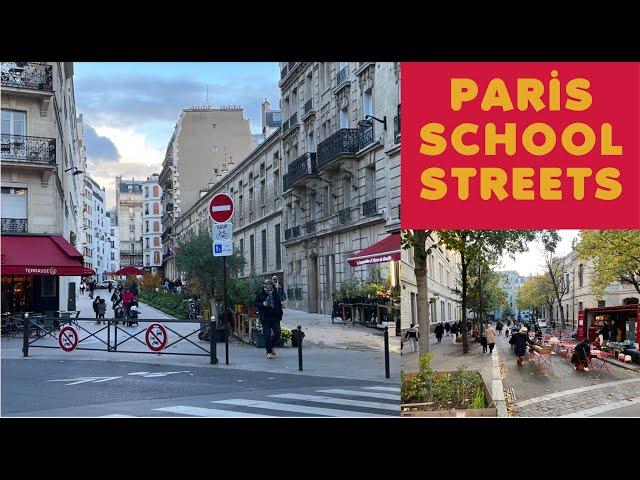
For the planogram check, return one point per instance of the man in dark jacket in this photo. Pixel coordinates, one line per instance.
(519, 342)
(439, 330)
(269, 305)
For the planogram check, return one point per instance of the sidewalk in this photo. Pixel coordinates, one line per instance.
(448, 356)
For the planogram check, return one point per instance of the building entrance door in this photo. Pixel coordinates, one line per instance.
(312, 281)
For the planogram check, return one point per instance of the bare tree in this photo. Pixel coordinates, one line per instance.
(557, 270)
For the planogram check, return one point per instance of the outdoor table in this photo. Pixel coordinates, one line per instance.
(243, 325)
(601, 356)
(542, 357)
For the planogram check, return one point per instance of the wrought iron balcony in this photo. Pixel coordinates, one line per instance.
(310, 226)
(302, 166)
(366, 136)
(166, 255)
(345, 142)
(34, 76)
(289, 124)
(168, 231)
(292, 232)
(20, 148)
(370, 208)
(342, 76)
(16, 225)
(308, 106)
(396, 127)
(344, 216)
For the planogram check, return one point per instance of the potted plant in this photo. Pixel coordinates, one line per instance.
(285, 336)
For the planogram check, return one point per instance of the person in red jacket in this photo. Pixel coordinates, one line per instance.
(127, 300)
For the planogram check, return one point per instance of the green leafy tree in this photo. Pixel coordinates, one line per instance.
(421, 243)
(196, 261)
(536, 292)
(556, 269)
(615, 255)
(485, 289)
(477, 244)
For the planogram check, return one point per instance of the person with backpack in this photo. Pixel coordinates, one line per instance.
(269, 305)
(102, 309)
(95, 304)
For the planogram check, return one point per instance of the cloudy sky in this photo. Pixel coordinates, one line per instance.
(130, 109)
(531, 262)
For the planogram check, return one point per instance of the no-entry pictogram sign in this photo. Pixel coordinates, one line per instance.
(68, 339)
(221, 208)
(156, 337)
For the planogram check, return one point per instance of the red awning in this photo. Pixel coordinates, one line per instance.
(385, 250)
(40, 255)
(129, 271)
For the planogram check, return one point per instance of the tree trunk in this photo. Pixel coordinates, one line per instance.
(420, 270)
(465, 341)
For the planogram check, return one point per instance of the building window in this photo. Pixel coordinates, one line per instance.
(252, 256)
(156, 257)
(146, 260)
(48, 286)
(580, 274)
(156, 241)
(148, 242)
(242, 246)
(14, 203)
(156, 191)
(601, 303)
(278, 248)
(156, 226)
(264, 250)
(146, 192)
(132, 249)
(367, 103)
(156, 208)
(146, 225)
(14, 122)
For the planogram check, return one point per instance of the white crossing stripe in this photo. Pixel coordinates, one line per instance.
(386, 389)
(286, 407)
(357, 393)
(338, 401)
(207, 412)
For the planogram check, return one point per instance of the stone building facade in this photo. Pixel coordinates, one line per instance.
(205, 143)
(443, 275)
(152, 224)
(96, 243)
(342, 181)
(42, 184)
(255, 186)
(129, 203)
(114, 236)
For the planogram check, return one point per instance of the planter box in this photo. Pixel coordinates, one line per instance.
(252, 311)
(422, 408)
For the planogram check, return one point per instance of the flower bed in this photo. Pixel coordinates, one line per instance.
(459, 393)
(170, 303)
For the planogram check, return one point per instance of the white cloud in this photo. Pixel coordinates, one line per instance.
(532, 262)
(133, 147)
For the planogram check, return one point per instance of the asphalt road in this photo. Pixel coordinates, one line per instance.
(96, 388)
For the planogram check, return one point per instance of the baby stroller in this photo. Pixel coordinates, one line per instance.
(118, 312)
(134, 313)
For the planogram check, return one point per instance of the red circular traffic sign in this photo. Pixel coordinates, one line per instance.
(68, 339)
(156, 337)
(221, 208)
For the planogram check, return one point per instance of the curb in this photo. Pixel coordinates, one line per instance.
(497, 388)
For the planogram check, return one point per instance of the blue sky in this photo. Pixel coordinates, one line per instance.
(130, 108)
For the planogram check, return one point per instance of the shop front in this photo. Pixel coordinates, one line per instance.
(621, 320)
(31, 269)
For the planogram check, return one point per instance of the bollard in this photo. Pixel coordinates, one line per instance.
(115, 338)
(386, 352)
(300, 348)
(25, 336)
(213, 352)
(108, 335)
(226, 342)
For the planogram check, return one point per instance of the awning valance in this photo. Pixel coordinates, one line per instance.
(41, 255)
(385, 250)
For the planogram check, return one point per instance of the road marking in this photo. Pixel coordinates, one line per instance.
(287, 407)
(77, 381)
(156, 374)
(590, 412)
(386, 389)
(356, 393)
(338, 401)
(565, 393)
(117, 415)
(207, 412)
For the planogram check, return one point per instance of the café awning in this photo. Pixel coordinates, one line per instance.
(128, 271)
(41, 255)
(385, 250)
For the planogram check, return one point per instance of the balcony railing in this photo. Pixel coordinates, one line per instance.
(166, 255)
(308, 106)
(396, 127)
(34, 76)
(342, 76)
(344, 216)
(292, 232)
(370, 208)
(366, 136)
(17, 225)
(21, 148)
(289, 124)
(287, 68)
(302, 166)
(310, 226)
(345, 141)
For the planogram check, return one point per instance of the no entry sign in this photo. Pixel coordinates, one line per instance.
(221, 208)
(156, 337)
(68, 339)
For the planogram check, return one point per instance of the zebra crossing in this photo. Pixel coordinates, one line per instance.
(374, 401)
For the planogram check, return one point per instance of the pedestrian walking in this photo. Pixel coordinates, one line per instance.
(92, 286)
(483, 341)
(127, 300)
(491, 337)
(447, 328)
(102, 309)
(81, 288)
(269, 305)
(109, 286)
(95, 307)
(454, 332)
(519, 341)
(439, 330)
